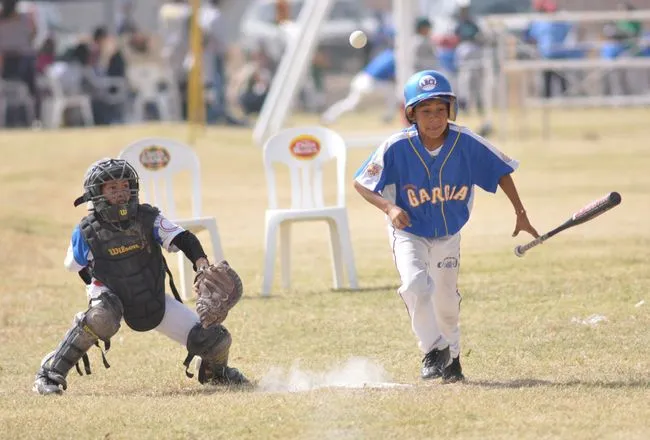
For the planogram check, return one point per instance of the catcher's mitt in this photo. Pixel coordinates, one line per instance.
(218, 288)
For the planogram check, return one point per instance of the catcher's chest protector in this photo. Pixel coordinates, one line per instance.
(131, 265)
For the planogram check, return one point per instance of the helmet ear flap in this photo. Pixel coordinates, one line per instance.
(409, 113)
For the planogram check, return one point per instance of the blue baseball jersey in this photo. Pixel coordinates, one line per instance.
(436, 191)
(382, 66)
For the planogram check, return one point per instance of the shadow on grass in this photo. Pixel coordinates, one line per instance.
(362, 290)
(369, 289)
(533, 383)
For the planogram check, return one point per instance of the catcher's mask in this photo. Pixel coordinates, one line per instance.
(104, 171)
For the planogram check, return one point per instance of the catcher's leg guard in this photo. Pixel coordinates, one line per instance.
(100, 321)
(212, 345)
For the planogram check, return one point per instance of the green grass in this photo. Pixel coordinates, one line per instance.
(534, 370)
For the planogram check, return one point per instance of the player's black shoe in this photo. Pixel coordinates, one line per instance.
(221, 375)
(434, 363)
(453, 372)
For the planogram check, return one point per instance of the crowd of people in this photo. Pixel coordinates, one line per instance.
(98, 66)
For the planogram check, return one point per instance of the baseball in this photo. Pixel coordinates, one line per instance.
(358, 39)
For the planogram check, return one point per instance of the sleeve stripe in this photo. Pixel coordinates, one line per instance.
(512, 163)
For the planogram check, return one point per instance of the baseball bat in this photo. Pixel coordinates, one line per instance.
(589, 212)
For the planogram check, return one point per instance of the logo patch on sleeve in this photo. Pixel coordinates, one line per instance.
(373, 170)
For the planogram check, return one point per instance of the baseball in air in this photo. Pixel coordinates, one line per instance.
(358, 39)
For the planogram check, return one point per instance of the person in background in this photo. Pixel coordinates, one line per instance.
(549, 38)
(469, 61)
(17, 55)
(425, 52)
(215, 47)
(126, 23)
(377, 76)
(253, 81)
(46, 55)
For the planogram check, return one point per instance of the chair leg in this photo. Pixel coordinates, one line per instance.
(347, 251)
(87, 114)
(186, 276)
(285, 253)
(270, 243)
(335, 247)
(57, 114)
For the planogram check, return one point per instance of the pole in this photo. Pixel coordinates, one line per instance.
(195, 91)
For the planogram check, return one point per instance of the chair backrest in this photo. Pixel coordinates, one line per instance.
(157, 161)
(304, 150)
(151, 80)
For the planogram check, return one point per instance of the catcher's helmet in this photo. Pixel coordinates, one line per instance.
(430, 84)
(104, 171)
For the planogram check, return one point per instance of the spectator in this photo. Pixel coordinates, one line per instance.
(425, 53)
(254, 81)
(46, 55)
(215, 50)
(126, 23)
(469, 60)
(623, 35)
(549, 37)
(76, 76)
(98, 48)
(17, 56)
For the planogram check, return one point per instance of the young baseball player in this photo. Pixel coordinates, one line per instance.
(117, 251)
(378, 75)
(423, 179)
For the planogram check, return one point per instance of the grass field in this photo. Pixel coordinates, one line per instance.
(536, 367)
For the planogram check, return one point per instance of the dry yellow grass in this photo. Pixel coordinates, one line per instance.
(533, 371)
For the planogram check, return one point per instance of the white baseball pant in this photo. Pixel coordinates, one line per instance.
(428, 268)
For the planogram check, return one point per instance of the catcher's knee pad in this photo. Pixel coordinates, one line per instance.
(100, 321)
(211, 344)
(104, 316)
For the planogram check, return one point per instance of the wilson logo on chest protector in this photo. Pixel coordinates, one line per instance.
(119, 250)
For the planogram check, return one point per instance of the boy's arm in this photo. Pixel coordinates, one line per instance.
(187, 242)
(398, 217)
(523, 224)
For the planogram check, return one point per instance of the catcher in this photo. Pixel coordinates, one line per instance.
(116, 249)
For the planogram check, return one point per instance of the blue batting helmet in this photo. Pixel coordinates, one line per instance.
(430, 84)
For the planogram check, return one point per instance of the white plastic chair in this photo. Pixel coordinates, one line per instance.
(58, 100)
(15, 94)
(304, 150)
(157, 161)
(154, 84)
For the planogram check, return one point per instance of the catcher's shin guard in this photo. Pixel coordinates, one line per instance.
(212, 345)
(100, 321)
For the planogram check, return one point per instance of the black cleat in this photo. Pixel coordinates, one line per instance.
(434, 363)
(454, 372)
(221, 375)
